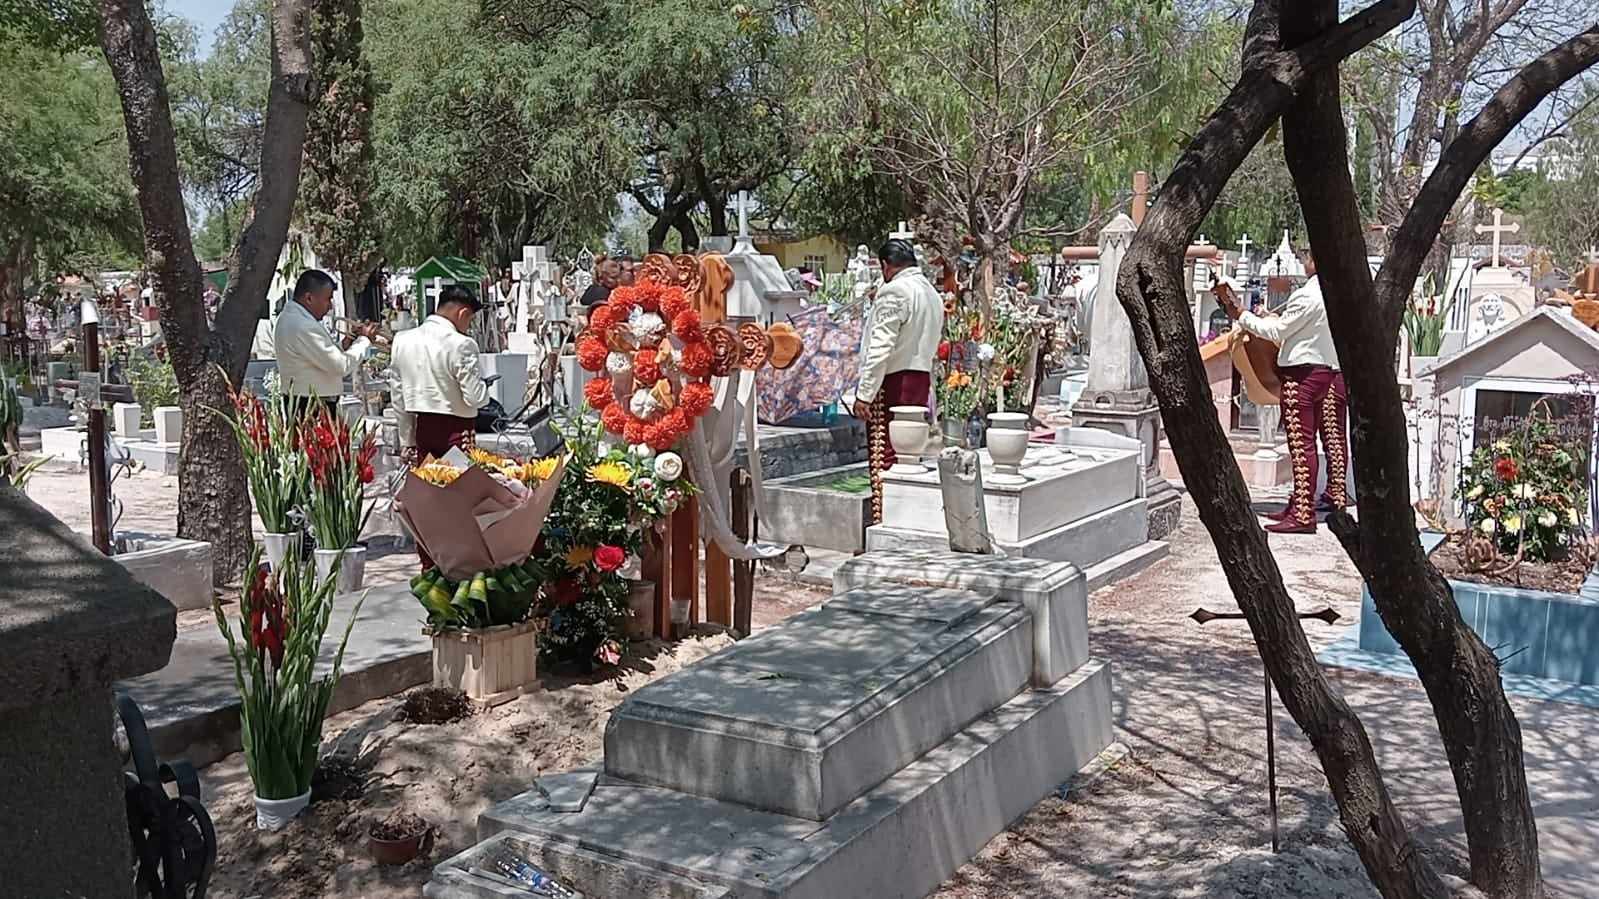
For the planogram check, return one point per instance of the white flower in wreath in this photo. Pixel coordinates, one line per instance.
(1548, 518)
(985, 353)
(642, 450)
(1474, 492)
(644, 405)
(646, 328)
(1488, 526)
(669, 466)
(618, 363)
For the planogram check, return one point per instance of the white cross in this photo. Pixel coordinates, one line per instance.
(904, 233)
(1496, 229)
(1243, 247)
(743, 204)
(1203, 242)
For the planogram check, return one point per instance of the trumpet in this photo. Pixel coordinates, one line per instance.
(351, 328)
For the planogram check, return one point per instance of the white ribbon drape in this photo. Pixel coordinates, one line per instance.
(710, 448)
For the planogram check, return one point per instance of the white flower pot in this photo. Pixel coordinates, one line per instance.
(351, 562)
(1007, 445)
(907, 433)
(277, 547)
(274, 814)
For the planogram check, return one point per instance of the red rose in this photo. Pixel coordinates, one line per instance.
(609, 558)
(1506, 468)
(598, 393)
(943, 349)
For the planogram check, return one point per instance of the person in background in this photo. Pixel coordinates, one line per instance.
(1314, 400)
(311, 365)
(440, 384)
(607, 276)
(907, 322)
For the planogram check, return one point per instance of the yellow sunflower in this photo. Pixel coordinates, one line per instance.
(485, 458)
(617, 474)
(579, 556)
(437, 473)
(540, 469)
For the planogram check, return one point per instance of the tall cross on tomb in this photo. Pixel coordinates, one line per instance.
(743, 205)
(904, 233)
(1497, 229)
(1244, 244)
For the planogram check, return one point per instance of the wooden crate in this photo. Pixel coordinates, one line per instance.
(491, 664)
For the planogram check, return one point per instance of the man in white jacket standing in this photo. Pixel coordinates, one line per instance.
(1313, 397)
(311, 366)
(907, 322)
(440, 384)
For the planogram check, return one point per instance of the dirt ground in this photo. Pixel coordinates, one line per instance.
(1183, 815)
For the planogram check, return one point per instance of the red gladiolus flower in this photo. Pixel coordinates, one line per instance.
(599, 394)
(267, 628)
(977, 330)
(1506, 468)
(367, 474)
(609, 558)
(943, 350)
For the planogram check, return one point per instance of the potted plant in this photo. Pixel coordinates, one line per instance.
(339, 458)
(1424, 321)
(480, 593)
(276, 470)
(397, 839)
(282, 617)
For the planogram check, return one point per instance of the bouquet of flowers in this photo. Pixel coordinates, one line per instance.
(1013, 333)
(339, 458)
(269, 439)
(658, 487)
(1526, 491)
(274, 644)
(480, 588)
(958, 372)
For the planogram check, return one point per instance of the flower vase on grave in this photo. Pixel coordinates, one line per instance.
(277, 547)
(1007, 445)
(907, 433)
(349, 563)
(955, 432)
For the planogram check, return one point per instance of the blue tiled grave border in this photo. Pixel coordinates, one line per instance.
(1539, 635)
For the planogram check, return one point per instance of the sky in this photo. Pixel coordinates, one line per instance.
(205, 14)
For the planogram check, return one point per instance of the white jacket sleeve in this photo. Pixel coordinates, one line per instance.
(320, 351)
(474, 392)
(1278, 328)
(889, 312)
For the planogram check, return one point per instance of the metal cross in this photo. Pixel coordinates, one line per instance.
(1329, 615)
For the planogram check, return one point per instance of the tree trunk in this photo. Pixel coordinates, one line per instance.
(1152, 288)
(213, 498)
(14, 266)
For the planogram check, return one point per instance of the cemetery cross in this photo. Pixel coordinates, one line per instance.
(1498, 229)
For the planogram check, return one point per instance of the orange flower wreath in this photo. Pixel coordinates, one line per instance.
(650, 333)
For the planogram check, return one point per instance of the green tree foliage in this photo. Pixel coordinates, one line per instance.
(476, 145)
(337, 183)
(1559, 201)
(66, 203)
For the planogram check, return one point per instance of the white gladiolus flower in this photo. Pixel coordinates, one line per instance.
(1488, 526)
(669, 466)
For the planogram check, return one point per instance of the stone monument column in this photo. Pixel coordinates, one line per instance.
(1116, 396)
(72, 621)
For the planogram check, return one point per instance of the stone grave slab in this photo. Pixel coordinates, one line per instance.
(802, 719)
(902, 837)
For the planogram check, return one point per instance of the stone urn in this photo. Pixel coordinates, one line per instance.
(907, 433)
(1007, 445)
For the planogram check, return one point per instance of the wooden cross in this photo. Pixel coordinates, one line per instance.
(1497, 229)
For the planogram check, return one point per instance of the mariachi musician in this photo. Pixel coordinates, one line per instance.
(1311, 388)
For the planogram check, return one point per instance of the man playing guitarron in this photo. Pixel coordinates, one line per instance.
(1313, 397)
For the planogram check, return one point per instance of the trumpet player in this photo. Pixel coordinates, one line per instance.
(312, 366)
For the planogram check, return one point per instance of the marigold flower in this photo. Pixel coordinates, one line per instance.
(615, 418)
(591, 353)
(599, 393)
(695, 359)
(695, 398)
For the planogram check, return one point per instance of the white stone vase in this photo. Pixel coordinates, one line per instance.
(1007, 445)
(351, 562)
(275, 814)
(277, 547)
(907, 433)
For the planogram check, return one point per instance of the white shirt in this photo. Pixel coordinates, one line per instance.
(261, 347)
(310, 363)
(438, 370)
(1299, 329)
(907, 321)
